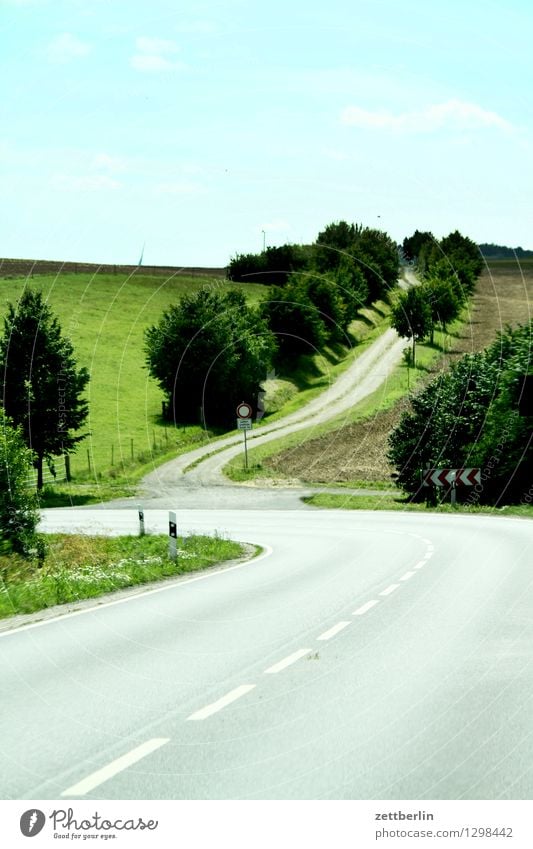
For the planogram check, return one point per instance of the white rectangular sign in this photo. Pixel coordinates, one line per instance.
(244, 424)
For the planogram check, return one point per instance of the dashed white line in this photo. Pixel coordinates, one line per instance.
(365, 607)
(327, 635)
(287, 661)
(390, 589)
(230, 697)
(407, 576)
(119, 765)
(420, 564)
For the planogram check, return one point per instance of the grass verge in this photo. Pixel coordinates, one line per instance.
(79, 567)
(400, 503)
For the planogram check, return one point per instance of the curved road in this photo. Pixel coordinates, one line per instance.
(366, 374)
(362, 656)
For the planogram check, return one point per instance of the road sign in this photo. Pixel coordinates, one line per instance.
(244, 411)
(451, 477)
(244, 424)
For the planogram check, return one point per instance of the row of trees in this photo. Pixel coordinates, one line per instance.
(449, 271)
(480, 414)
(360, 258)
(212, 350)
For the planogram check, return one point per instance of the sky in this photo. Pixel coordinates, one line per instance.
(200, 130)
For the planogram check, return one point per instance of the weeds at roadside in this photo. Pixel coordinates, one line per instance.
(78, 567)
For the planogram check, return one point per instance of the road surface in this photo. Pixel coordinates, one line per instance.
(362, 656)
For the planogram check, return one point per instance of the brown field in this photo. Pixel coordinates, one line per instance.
(357, 452)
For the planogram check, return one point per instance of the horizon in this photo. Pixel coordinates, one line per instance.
(203, 132)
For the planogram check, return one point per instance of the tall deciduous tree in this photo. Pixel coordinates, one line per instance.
(207, 353)
(42, 388)
(443, 304)
(411, 316)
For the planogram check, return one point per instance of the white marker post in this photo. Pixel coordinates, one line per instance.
(244, 423)
(141, 522)
(172, 535)
(454, 489)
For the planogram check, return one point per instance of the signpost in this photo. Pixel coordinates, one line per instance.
(244, 423)
(452, 478)
(172, 535)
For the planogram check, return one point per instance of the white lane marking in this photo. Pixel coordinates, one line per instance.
(390, 589)
(172, 585)
(327, 635)
(287, 661)
(419, 565)
(407, 576)
(119, 765)
(230, 697)
(365, 607)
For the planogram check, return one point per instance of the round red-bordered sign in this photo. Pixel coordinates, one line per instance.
(244, 411)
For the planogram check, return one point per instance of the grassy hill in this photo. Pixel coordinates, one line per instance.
(105, 316)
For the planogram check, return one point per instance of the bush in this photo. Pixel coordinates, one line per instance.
(471, 417)
(18, 503)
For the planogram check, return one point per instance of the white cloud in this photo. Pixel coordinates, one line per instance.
(148, 62)
(153, 55)
(155, 46)
(67, 47)
(111, 164)
(179, 188)
(201, 27)
(93, 183)
(453, 114)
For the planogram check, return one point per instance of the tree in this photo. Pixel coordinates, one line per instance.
(42, 388)
(412, 245)
(272, 266)
(18, 504)
(333, 243)
(294, 319)
(411, 315)
(472, 417)
(443, 304)
(379, 260)
(446, 418)
(352, 286)
(207, 353)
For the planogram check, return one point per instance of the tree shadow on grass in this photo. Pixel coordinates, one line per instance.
(60, 498)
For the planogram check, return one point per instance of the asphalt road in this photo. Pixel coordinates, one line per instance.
(363, 656)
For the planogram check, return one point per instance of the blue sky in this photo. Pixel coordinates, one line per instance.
(193, 127)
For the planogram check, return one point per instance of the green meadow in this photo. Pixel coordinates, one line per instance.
(105, 317)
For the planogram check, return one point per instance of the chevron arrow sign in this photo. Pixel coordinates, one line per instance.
(448, 477)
